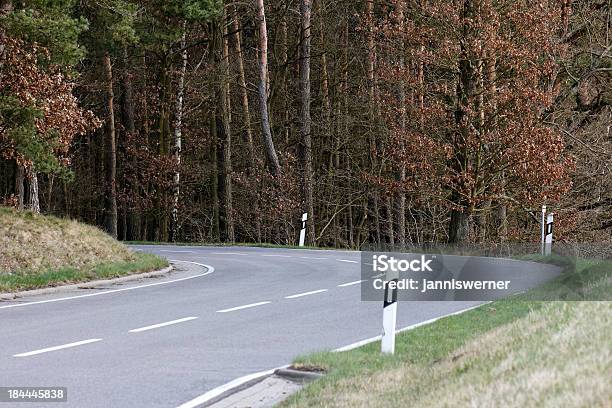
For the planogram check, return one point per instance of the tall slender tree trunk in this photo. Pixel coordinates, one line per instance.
(110, 218)
(466, 93)
(214, 144)
(132, 226)
(372, 111)
(178, 137)
(248, 133)
(144, 230)
(501, 213)
(285, 88)
(227, 145)
(306, 142)
(271, 157)
(164, 146)
(19, 190)
(327, 109)
(345, 129)
(401, 199)
(34, 204)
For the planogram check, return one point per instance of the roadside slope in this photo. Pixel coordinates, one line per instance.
(38, 251)
(510, 353)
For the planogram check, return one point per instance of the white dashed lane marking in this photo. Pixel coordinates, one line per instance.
(243, 307)
(55, 348)
(305, 294)
(156, 326)
(351, 283)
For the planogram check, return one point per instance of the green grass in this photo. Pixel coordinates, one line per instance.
(513, 352)
(19, 281)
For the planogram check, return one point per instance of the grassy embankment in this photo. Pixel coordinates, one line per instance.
(511, 353)
(39, 251)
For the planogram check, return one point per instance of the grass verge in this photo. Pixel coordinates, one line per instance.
(19, 281)
(510, 353)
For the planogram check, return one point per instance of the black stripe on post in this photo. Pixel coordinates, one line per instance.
(390, 298)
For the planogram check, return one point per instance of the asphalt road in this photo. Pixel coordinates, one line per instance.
(164, 341)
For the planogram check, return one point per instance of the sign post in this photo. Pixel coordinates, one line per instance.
(548, 239)
(543, 230)
(303, 230)
(387, 344)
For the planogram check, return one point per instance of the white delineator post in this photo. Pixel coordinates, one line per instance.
(387, 344)
(303, 230)
(543, 230)
(549, 234)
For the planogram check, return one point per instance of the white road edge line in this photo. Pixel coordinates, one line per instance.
(407, 328)
(351, 283)
(311, 257)
(215, 392)
(63, 346)
(156, 326)
(210, 270)
(278, 256)
(232, 309)
(305, 294)
(228, 253)
(346, 260)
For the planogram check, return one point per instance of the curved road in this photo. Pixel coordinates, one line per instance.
(162, 342)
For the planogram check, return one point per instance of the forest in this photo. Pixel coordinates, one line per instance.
(388, 121)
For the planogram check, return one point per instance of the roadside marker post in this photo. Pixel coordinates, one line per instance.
(548, 239)
(387, 344)
(303, 230)
(543, 230)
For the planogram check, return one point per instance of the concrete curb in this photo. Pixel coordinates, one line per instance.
(297, 375)
(286, 373)
(83, 285)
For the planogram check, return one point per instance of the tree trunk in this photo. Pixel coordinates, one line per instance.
(372, 111)
(161, 233)
(248, 134)
(401, 199)
(19, 190)
(34, 205)
(306, 143)
(110, 219)
(214, 177)
(178, 133)
(466, 93)
(324, 76)
(144, 229)
(271, 157)
(285, 90)
(227, 145)
(128, 118)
